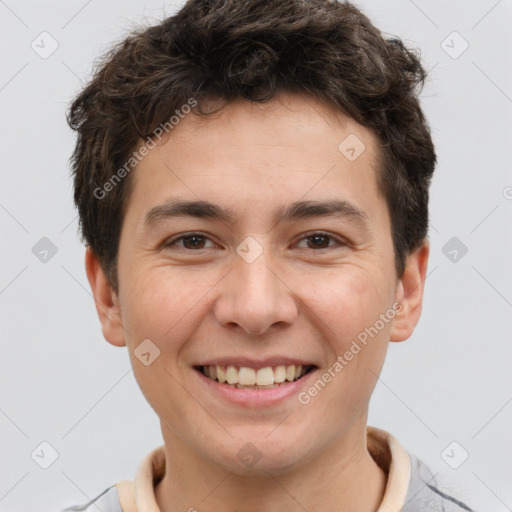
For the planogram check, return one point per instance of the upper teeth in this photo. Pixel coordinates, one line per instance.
(249, 376)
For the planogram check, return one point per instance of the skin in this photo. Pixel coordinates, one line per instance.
(295, 299)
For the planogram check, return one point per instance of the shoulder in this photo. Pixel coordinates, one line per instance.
(106, 501)
(426, 492)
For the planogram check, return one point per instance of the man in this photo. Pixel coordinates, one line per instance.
(252, 182)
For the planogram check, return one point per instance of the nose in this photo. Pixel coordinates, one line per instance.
(256, 296)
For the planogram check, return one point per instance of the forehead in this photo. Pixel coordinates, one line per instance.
(302, 116)
(293, 145)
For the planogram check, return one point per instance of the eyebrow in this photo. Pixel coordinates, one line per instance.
(294, 211)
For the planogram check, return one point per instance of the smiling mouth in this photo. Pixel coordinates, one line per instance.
(251, 378)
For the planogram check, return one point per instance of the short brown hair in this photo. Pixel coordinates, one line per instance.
(252, 49)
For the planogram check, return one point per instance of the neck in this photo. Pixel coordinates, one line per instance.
(340, 478)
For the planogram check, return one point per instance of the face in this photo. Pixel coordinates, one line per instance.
(290, 263)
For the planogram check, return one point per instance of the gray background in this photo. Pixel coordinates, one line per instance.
(62, 383)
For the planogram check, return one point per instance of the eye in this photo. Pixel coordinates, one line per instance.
(190, 241)
(319, 239)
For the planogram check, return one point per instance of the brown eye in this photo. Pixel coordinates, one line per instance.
(320, 241)
(191, 241)
(194, 242)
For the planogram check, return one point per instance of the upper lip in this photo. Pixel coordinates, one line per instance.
(255, 363)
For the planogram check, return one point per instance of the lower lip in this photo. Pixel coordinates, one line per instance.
(256, 397)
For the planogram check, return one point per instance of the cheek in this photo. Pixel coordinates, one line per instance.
(162, 304)
(346, 300)
(163, 310)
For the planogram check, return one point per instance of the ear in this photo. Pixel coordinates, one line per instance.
(107, 303)
(410, 293)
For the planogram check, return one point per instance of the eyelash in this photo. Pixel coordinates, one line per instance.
(339, 242)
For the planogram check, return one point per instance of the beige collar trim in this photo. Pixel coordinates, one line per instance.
(139, 495)
(395, 461)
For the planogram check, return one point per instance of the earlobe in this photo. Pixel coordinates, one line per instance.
(107, 305)
(410, 294)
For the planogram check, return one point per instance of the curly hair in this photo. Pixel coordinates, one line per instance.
(251, 49)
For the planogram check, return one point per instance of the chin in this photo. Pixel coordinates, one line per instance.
(258, 456)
